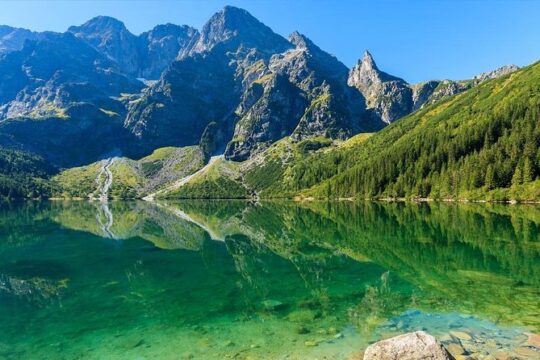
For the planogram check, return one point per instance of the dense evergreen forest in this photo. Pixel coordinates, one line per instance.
(481, 144)
(23, 175)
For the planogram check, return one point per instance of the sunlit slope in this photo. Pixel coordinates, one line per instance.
(481, 144)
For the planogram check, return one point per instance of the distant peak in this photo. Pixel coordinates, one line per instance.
(503, 70)
(232, 23)
(367, 60)
(103, 22)
(299, 40)
(233, 15)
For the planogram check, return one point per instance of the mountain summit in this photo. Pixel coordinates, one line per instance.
(234, 88)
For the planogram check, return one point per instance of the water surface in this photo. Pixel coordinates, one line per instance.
(224, 279)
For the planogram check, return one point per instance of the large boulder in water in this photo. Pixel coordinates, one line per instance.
(412, 346)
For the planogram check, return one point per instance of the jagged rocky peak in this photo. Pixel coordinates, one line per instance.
(503, 70)
(160, 46)
(237, 24)
(101, 31)
(13, 39)
(389, 97)
(111, 37)
(366, 73)
(300, 40)
(367, 61)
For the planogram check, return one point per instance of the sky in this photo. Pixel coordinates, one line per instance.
(417, 40)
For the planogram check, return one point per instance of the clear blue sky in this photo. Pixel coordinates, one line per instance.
(417, 40)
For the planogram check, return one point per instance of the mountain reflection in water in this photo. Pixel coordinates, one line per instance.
(210, 279)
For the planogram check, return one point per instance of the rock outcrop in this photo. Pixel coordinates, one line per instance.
(412, 346)
(391, 98)
(388, 96)
(144, 56)
(13, 39)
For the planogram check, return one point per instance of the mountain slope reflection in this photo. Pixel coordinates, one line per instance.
(214, 279)
(478, 259)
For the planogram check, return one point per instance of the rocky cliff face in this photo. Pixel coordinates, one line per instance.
(159, 47)
(146, 55)
(207, 83)
(391, 98)
(58, 98)
(388, 96)
(255, 85)
(235, 87)
(302, 92)
(13, 39)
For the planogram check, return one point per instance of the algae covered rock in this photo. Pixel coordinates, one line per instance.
(417, 345)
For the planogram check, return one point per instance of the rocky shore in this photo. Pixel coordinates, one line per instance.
(458, 345)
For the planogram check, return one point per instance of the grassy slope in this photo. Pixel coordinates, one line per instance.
(271, 174)
(132, 178)
(481, 144)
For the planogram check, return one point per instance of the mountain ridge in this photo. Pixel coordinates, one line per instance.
(234, 88)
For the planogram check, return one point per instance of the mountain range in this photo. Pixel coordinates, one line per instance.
(234, 88)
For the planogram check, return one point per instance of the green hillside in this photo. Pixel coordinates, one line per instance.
(132, 178)
(23, 175)
(481, 144)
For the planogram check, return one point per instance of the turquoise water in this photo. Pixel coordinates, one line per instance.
(280, 280)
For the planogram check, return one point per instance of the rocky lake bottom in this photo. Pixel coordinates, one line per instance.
(271, 280)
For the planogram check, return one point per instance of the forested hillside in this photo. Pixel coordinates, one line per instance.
(23, 175)
(482, 144)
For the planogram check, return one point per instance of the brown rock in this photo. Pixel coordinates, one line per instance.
(533, 340)
(412, 346)
(461, 335)
(455, 349)
(526, 351)
(502, 355)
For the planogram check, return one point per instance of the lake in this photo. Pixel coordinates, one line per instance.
(276, 280)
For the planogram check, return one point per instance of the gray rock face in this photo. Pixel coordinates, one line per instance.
(13, 39)
(110, 37)
(304, 94)
(146, 55)
(412, 346)
(159, 47)
(391, 98)
(502, 71)
(58, 98)
(236, 27)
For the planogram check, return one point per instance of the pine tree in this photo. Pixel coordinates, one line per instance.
(490, 178)
(517, 178)
(528, 171)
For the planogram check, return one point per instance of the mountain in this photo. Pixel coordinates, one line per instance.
(146, 55)
(492, 154)
(391, 98)
(12, 39)
(253, 86)
(59, 99)
(273, 107)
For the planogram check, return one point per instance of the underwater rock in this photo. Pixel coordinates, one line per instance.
(461, 335)
(411, 346)
(455, 349)
(272, 305)
(533, 340)
(526, 351)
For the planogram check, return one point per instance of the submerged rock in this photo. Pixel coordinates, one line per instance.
(272, 305)
(412, 346)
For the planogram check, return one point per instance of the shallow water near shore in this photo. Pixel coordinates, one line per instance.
(277, 280)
